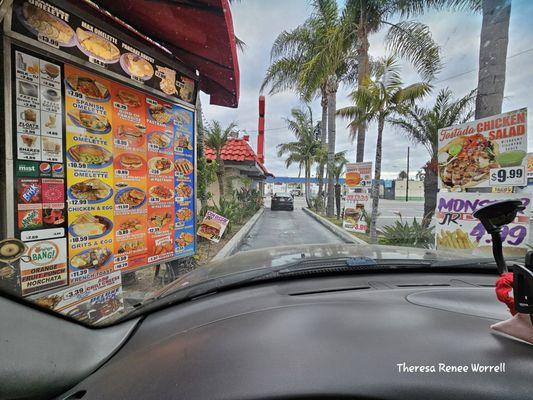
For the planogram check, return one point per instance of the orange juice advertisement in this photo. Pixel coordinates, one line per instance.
(89, 144)
(160, 181)
(130, 169)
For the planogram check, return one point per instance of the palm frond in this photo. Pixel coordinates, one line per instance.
(412, 41)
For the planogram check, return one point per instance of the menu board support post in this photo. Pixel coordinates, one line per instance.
(9, 194)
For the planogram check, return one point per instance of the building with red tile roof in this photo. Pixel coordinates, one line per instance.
(240, 160)
(237, 153)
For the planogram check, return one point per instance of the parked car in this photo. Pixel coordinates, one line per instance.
(282, 201)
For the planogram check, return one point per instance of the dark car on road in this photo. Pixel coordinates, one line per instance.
(282, 201)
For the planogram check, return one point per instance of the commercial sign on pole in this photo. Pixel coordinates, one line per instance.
(457, 229)
(359, 175)
(354, 211)
(488, 152)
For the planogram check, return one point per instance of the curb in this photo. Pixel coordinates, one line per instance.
(238, 238)
(341, 233)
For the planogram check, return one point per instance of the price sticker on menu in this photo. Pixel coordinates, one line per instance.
(47, 40)
(509, 176)
(122, 172)
(97, 61)
(120, 106)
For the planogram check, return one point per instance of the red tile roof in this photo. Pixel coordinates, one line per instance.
(236, 150)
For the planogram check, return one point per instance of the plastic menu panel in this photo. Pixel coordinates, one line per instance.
(130, 177)
(184, 232)
(130, 169)
(160, 128)
(89, 174)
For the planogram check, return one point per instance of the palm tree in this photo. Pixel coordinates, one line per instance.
(337, 171)
(407, 39)
(216, 138)
(492, 57)
(378, 100)
(422, 126)
(304, 149)
(330, 63)
(313, 59)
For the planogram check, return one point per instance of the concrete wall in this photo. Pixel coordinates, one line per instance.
(416, 190)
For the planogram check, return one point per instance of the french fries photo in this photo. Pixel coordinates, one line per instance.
(457, 239)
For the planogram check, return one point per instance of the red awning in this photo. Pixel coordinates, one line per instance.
(198, 32)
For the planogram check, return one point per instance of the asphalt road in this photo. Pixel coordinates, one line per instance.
(281, 228)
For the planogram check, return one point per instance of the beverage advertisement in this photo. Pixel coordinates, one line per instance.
(160, 183)
(354, 210)
(90, 179)
(43, 266)
(457, 229)
(90, 302)
(484, 153)
(359, 174)
(39, 184)
(213, 226)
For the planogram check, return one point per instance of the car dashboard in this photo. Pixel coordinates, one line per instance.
(351, 336)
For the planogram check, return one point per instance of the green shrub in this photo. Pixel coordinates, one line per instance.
(410, 235)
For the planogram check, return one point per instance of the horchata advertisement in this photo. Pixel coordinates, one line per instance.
(213, 226)
(457, 229)
(354, 210)
(359, 175)
(487, 152)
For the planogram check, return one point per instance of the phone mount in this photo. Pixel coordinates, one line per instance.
(520, 325)
(523, 285)
(493, 217)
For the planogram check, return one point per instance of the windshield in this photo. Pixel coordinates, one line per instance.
(136, 160)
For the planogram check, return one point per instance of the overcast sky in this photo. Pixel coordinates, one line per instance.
(258, 22)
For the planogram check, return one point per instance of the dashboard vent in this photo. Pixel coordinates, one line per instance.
(329, 290)
(413, 285)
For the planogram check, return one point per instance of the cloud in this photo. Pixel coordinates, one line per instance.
(259, 22)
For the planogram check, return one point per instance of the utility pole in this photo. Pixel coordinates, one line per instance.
(407, 183)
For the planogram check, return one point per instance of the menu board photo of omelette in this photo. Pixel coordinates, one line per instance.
(126, 177)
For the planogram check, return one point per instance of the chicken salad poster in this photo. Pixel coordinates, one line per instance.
(488, 152)
(458, 230)
(130, 177)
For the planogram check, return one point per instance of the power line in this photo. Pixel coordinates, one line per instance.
(475, 69)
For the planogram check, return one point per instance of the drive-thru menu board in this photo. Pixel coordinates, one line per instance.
(129, 177)
(104, 175)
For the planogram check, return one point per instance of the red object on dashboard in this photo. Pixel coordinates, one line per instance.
(504, 285)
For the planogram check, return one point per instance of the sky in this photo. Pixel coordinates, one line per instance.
(258, 23)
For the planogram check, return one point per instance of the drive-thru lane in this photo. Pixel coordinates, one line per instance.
(283, 228)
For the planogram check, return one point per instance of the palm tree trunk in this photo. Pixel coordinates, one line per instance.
(307, 184)
(220, 176)
(323, 137)
(492, 57)
(332, 108)
(363, 74)
(375, 183)
(338, 199)
(430, 195)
